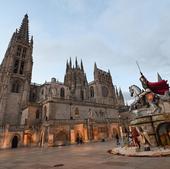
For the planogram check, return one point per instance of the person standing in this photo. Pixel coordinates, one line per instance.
(117, 139)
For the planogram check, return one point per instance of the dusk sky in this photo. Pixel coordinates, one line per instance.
(113, 33)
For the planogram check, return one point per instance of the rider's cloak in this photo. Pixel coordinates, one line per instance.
(157, 87)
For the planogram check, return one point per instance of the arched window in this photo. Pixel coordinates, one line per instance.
(24, 52)
(15, 87)
(16, 66)
(33, 96)
(19, 51)
(21, 67)
(62, 92)
(91, 91)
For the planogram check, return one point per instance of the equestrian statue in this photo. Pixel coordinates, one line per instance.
(152, 95)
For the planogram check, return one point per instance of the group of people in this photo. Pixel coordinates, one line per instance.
(124, 140)
(79, 139)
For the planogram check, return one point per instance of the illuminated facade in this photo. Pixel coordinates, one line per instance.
(53, 113)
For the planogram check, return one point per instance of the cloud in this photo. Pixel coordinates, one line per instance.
(121, 34)
(114, 33)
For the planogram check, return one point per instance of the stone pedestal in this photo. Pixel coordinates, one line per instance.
(151, 123)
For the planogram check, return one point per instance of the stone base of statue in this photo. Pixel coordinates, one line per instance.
(157, 126)
(135, 152)
(154, 135)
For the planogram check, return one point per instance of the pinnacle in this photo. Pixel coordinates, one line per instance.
(23, 33)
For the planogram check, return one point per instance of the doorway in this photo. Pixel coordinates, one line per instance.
(163, 133)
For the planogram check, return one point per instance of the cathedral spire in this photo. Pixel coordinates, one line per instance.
(116, 92)
(82, 68)
(70, 64)
(23, 33)
(95, 67)
(67, 66)
(31, 41)
(76, 63)
(120, 92)
(109, 71)
(121, 98)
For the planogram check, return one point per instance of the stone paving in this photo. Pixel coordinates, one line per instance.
(86, 156)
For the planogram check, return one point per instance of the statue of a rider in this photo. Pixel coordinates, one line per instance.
(160, 87)
(151, 92)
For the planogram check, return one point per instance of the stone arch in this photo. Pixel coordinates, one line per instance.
(15, 141)
(28, 138)
(61, 138)
(163, 133)
(78, 136)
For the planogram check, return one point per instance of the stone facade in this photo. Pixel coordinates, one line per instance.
(53, 113)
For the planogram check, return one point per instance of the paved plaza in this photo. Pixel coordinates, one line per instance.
(86, 156)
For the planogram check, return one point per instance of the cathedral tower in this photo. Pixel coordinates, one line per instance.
(75, 79)
(15, 75)
(103, 87)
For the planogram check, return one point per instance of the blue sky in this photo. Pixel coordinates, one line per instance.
(112, 33)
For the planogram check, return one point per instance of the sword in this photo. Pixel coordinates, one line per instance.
(139, 68)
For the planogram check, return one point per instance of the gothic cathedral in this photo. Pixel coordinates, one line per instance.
(53, 113)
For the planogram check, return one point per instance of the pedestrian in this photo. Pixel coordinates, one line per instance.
(81, 140)
(78, 138)
(117, 139)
